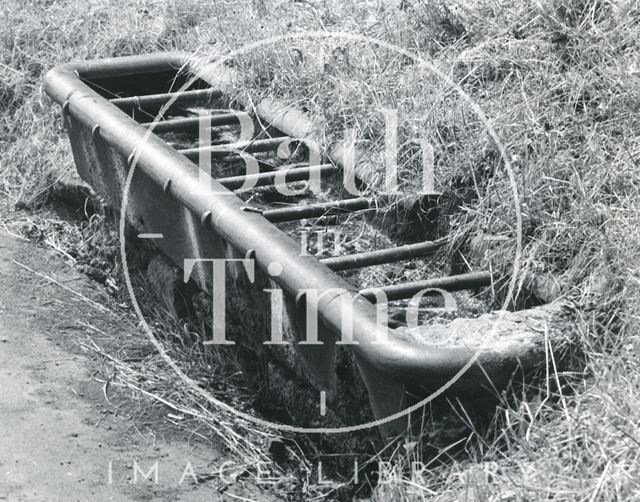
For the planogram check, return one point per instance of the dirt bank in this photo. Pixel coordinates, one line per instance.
(66, 435)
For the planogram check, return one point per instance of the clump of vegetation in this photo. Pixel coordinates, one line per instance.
(559, 83)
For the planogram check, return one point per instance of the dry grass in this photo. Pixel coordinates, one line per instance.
(559, 82)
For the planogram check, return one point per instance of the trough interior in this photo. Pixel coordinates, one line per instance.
(125, 86)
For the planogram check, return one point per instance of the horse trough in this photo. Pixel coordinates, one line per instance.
(213, 207)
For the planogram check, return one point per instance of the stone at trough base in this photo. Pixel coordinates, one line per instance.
(66, 186)
(166, 282)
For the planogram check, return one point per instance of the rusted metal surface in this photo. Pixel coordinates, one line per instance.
(253, 146)
(154, 102)
(381, 256)
(410, 289)
(279, 177)
(299, 212)
(167, 197)
(192, 124)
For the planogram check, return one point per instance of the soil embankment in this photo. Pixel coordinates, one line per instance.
(60, 437)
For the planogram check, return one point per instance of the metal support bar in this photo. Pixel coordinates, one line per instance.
(451, 283)
(269, 178)
(316, 210)
(153, 101)
(380, 256)
(192, 124)
(253, 146)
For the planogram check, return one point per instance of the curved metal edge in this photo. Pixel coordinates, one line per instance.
(398, 357)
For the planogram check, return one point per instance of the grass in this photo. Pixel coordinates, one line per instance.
(559, 82)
